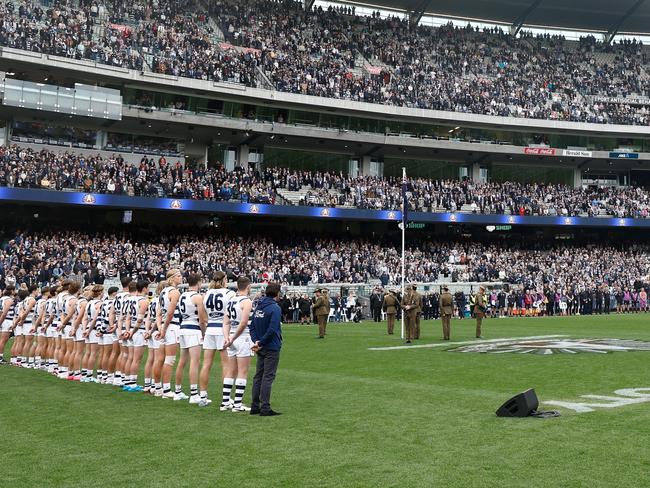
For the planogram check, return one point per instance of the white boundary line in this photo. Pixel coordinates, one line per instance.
(462, 343)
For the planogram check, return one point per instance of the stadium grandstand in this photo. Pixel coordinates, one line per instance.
(497, 150)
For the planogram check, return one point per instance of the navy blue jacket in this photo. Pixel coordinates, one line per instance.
(265, 326)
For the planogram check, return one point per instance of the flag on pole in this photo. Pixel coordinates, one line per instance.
(405, 203)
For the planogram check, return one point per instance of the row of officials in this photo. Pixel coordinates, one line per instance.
(412, 305)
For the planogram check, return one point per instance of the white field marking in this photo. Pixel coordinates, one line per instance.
(626, 396)
(463, 343)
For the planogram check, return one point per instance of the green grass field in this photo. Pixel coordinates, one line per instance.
(352, 418)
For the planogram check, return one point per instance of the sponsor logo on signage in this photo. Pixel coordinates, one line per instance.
(624, 155)
(176, 204)
(254, 209)
(555, 346)
(453, 217)
(392, 215)
(540, 151)
(577, 154)
(89, 199)
(325, 212)
(624, 100)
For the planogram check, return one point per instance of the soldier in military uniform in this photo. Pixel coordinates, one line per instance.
(390, 306)
(410, 304)
(446, 311)
(479, 310)
(321, 308)
(418, 315)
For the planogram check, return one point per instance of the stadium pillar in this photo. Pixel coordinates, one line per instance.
(475, 172)
(102, 139)
(577, 178)
(242, 156)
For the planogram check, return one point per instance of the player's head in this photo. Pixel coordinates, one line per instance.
(219, 280)
(97, 291)
(141, 285)
(126, 281)
(9, 291)
(133, 287)
(45, 291)
(174, 277)
(74, 287)
(32, 289)
(22, 294)
(112, 291)
(161, 286)
(273, 290)
(193, 280)
(66, 285)
(243, 285)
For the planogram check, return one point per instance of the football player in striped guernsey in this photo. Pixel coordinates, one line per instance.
(6, 318)
(108, 339)
(17, 328)
(65, 327)
(120, 351)
(168, 323)
(134, 334)
(215, 302)
(77, 333)
(39, 328)
(156, 352)
(194, 320)
(90, 335)
(27, 319)
(239, 344)
(50, 329)
(60, 349)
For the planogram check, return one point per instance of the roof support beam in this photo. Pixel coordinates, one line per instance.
(613, 30)
(519, 21)
(308, 4)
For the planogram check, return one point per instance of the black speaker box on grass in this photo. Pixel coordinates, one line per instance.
(522, 405)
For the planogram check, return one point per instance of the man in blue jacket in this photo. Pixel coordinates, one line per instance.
(266, 334)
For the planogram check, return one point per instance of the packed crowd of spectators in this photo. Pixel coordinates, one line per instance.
(335, 53)
(156, 177)
(38, 257)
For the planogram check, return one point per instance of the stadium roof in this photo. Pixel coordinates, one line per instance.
(629, 16)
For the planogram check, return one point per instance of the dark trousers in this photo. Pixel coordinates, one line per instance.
(376, 314)
(267, 365)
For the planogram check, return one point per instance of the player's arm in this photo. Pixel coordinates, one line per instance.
(112, 323)
(39, 319)
(203, 314)
(142, 310)
(174, 295)
(147, 323)
(159, 320)
(5, 310)
(226, 322)
(66, 318)
(90, 324)
(77, 322)
(246, 307)
(126, 319)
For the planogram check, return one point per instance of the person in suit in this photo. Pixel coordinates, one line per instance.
(321, 308)
(410, 304)
(479, 310)
(390, 306)
(375, 305)
(446, 311)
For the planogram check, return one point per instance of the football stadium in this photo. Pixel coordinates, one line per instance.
(386, 243)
